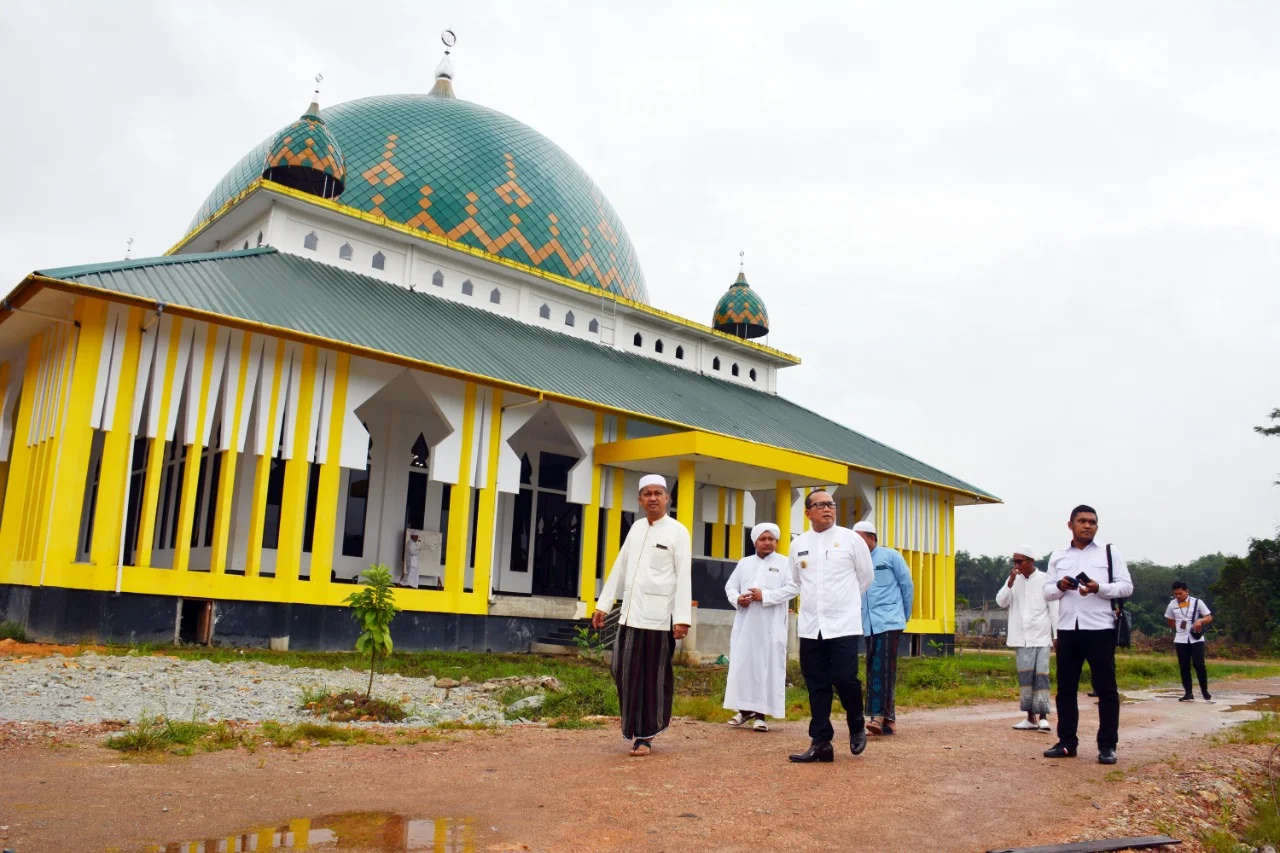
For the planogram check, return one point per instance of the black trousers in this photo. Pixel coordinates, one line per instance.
(1099, 649)
(1188, 654)
(828, 664)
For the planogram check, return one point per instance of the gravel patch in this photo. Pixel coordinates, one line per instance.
(92, 688)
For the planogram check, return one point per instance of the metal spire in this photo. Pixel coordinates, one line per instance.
(444, 71)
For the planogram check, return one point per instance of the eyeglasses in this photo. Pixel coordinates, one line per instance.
(822, 505)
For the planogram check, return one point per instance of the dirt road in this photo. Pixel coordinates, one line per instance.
(957, 779)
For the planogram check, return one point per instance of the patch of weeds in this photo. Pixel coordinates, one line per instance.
(157, 734)
(1265, 729)
(708, 709)
(12, 631)
(1222, 841)
(350, 706)
(566, 723)
(1114, 776)
(313, 694)
(281, 736)
(457, 726)
(585, 699)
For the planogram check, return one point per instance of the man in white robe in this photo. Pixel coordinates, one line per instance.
(757, 682)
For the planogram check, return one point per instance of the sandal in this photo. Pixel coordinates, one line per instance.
(760, 725)
(873, 726)
(736, 720)
(641, 748)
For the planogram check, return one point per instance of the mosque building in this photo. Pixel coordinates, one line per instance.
(404, 330)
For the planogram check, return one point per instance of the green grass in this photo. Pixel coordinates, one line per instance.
(1264, 730)
(12, 631)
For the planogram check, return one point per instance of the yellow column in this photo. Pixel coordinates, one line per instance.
(48, 460)
(805, 519)
(227, 472)
(590, 532)
(155, 451)
(199, 397)
(487, 510)
(326, 526)
(297, 471)
(117, 453)
(20, 458)
(262, 474)
(688, 497)
(73, 439)
(948, 593)
(782, 496)
(717, 529)
(4, 466)
(613, 518)
(455, 558)
(735, 529)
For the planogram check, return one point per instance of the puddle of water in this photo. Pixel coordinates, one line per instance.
(1267, 704)
(384, 832)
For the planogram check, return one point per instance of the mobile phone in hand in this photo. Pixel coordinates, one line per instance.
(1083, 579)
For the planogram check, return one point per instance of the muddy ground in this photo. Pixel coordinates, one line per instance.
(956, 779)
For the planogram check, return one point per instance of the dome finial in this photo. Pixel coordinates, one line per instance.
(444, 71)
(314, 108)
(742, 267)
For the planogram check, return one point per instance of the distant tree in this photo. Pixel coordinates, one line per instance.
(1248, 595)
(1271, 430)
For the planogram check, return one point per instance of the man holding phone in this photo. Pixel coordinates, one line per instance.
(1084, 578)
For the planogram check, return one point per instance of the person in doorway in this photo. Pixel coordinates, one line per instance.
(830, 567)
(757, 680)
(1187, 616)
(1085, 578)
(652, 575)
(886, 609)
(1033, 630)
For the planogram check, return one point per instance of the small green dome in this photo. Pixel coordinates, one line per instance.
(741, 311)
(305, 156)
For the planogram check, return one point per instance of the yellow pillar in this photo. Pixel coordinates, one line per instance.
(222, 510)
(191, 476)
(155, 450)
(455, 558)
(117, 453)
(613, 518)
(717, 529)
(782, 496)
(688, 497)
(297, 473)
(20, 458)
(487, 510)
(262, 474)
(590, 532)
(805, 518)
(326, 525)
(735, 529)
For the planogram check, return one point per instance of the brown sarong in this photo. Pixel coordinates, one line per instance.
(645, 679)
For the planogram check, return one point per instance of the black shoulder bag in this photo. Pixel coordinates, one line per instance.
(1124, 619)
(1195, 635)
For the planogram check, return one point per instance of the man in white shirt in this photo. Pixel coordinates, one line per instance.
(652, 573)
(830, 569)
(1185, 615)
(1085, 578)
(1033, 629)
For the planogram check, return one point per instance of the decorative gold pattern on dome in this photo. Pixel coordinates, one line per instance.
(306, 154)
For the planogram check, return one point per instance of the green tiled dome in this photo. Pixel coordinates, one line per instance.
(306, 156)
(741, 312)
(468, 173)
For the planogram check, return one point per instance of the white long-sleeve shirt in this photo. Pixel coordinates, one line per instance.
(653, 576)
(1087, 612)
(1032, 620)
(830, 571)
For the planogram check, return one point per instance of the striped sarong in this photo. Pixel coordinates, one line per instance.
(882, 675)
(645, 679)
(1033, 679)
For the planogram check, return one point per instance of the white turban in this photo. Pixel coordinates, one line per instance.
(1026, 551)
(653, 480)
(865, 527)
(764, 527)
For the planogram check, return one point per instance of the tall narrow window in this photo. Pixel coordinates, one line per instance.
(275, 498)
(345, 252)
(545, 311)
(715, 363)
(437, 278)
(246, 244)
(311, 241)
(313, 499)
(357, 507)
(379, 261)
(752, 374)
(495, 296)
(658, 347)
(259, 238)
(680, 353)
(734, 369)
(637, 340)
(468, 288)
(594, 326)
(137, 482)
(568, 318)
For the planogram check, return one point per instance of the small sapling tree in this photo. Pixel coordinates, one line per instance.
(373, 608)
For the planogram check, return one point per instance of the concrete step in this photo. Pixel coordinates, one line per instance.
(544, 648)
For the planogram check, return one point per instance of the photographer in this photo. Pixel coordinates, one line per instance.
(1188, 617)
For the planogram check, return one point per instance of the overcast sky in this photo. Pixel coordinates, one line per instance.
(1034, 245)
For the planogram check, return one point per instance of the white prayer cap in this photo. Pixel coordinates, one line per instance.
(653, 480)
(1026, 551)
(865, 527)
(765, 527)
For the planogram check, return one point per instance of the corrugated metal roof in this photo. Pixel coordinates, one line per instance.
(289, 292)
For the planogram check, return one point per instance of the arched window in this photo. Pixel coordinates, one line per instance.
(715, 363)
(345, 252)
(638, 340)
(468, 288)
(734, 369)
(495, 296)
(569, 319)
(379, 261)
(545, 311)
(437, 278)
(311, 241)
(657, 346)
(752, 374)
(594, 326)
(680, 353)
(259, 238)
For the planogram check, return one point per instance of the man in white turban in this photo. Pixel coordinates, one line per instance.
(757, 683)
(653, 576)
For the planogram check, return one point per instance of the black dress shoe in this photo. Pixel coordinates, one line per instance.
(858, 742)
(816, 752)
(1060, 750)
(1106, 756)
(1187, 698)
(1207, 697)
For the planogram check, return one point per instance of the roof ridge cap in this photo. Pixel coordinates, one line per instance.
(158, 261)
